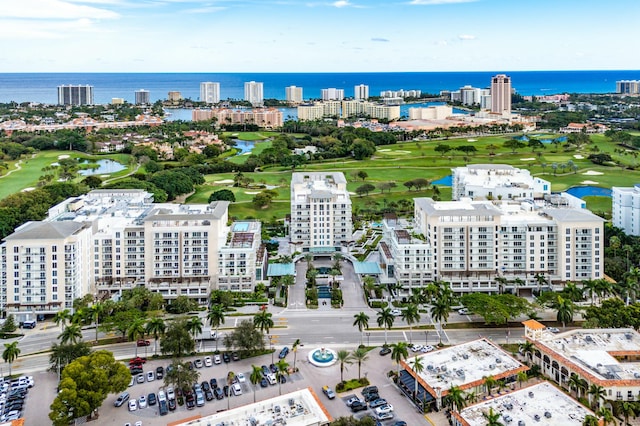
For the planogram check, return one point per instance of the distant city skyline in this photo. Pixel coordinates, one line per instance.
(315, 36)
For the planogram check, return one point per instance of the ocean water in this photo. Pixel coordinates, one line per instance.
(42, 87)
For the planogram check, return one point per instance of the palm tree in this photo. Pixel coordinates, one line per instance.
(70, 334)
(255, 377)
(362, 322)
(596, 392)
(62, 317)
(136, 330)
(385, 319)
(294, 348)
(590, 420)
(359, 356)
(606, 415)
(282, 370)
(262, 320)
(96, 310)
(10, 353)
(418, 367)
(216, 319)
(625, 408)
(155, 327)
(411, 315)
(471, 397)
(527, 349)
(369, 283)
(399, 352)
(440, 311)
(344, 358)
(194, 326)
(522, 377)
(575, 384)
(565, 309)
(492, 418)
(490, 382)
(456, 398)
(590, 287)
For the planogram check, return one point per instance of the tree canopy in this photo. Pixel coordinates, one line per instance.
(496, 308)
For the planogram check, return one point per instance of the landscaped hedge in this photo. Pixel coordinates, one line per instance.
(352, 384)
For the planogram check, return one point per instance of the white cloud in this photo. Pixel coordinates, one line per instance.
(209, 9)
(435, 2)
(466, 37)
(340, 3)
(52, 9)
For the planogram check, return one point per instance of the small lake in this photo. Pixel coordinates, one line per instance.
(445, 181)
(244, 146)
(589, 191)
(104, 167)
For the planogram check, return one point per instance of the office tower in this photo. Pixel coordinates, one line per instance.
(320, 211)
(75, 95)
(174, 96)
(253, 93)
(142, 97)
(293, 94)
(332, 94)
(501, 94)
(210, 92)
(361, 92)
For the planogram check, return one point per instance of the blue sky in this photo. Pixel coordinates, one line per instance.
(316, 35)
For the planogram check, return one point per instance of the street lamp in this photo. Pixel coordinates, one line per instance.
(368, 334)
(426, 336)
(271, 346)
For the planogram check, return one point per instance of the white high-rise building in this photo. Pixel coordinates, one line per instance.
(210, 92)
(293, 94)
(497, 181)
(142, 97)
(628, 87)
(254, 93)
(501, 94)
(626, 208)
(332, 94)
(320, 211)
(361, 92)
(75, 95)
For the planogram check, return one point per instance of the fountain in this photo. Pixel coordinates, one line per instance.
(323, 357)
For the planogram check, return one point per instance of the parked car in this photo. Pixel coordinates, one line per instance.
(386, 408)
(198, 363)
(133, 405)
(396, 312)
(142, 401)
(427, 348)
(140, 378)
(218, 393)
(225, 389)
(237, 390)
(207, 361)
(377, 402)
(190, 400)
(358, 406)
(263, 382)
(385, 416)
(171, 403)
(151, 376)
(464, 311)
(283, 353)
(235, 356)
(132, 381)
(216, 359)
(283, 379)
(214, 383)
(151, 398)
(416, 348)
(124, 397)
(370, 389)
(137, 360)
(328, 391)
(371, 396)
(273, 368)
(159, 373)
(162, 396)
(170, 393)
(353, 400)
(141, 342)
(265, 370)
(226, 357)
(553, 329)
(241, 378)
(385, 351)
(163, 408)
(135, 369)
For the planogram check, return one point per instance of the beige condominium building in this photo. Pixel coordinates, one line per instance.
(320, 211)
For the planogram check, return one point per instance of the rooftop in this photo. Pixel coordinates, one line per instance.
(299, 408)
(466, 365)
(541, 404)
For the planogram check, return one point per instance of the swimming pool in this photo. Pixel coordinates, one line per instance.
(589, 191)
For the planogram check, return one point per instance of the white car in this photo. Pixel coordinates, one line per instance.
(216, 359)
(385, 416)
(427, 348)
(170, 393)
(132, 382)
(207, 361)
(241, 378)
(142, 402)
(386, 408)
(416, 348)
(162, 396)
(396, 312)
(151, 376)
(464, 311)
(139, 423)
(237, 390)
(133, 405)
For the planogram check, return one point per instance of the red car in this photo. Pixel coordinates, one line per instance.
(143, 343)
(137, 361)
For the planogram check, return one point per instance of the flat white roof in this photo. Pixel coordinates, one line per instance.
(465, 364)
(594, 350)
(299, 408)
(551, 406)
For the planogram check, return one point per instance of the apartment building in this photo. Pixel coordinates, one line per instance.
(254, 93)
(75, 95)
(603, 357)
(361, 92)
(332, 94)
(263, 117)
(293, 94)
(626, 208)
(210, 92)
(434, 112)
(112, 240)
(497, 181)
(628, 87)
(320, 211)
(174, 96)
(310, 112)
(142, 97)
(501, 94)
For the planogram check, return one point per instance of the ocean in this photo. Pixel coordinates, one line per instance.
(42, 87)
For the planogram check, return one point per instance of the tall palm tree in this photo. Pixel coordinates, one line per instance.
(471, 397)
(369, 283)
(263, 321)
(194, 326)
(418, 367)
(522, 377)
(385, 319)
(492, 418)
(440, 311)
(216, 319)
(399, 352)
(136, 331)
(359, 356)
(590, 288)
(344, 358)
(96, 310)
(590, 420)
(71, 334)
(456, 398)
(627, 409)
(362, 322)
(282, 370)
(564, 309)
(10, 353)
(294, 348)
(62, 317)
(255, 377)
(575, 383)
(490, 382)
(596, 393)
(606, 415)
(527, 348)
(411, 315)
(155, 327)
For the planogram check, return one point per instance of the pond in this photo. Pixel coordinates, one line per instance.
(589, 191)
(445, 181)
(244, 146)
(100, 167)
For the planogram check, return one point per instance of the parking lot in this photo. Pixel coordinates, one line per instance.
(374, 369)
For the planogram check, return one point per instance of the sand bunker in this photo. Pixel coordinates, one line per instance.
(223, 181)
(384, 150)
(251, 192)
(578, 156)
(472, 140)
(592, 173)
(528, 159)
(28, 189)
(62, 157)
(589, 182)
(104, 176)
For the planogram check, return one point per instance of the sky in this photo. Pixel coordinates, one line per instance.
(316, 35)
